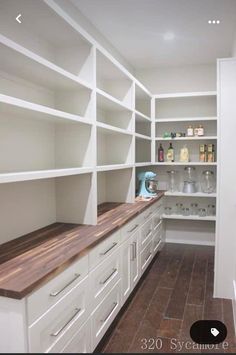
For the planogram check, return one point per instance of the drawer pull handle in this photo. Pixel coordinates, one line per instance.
(107, 251)
(56, 293)
(132, 252)
(132, 229)
(135, 250)
(114, 306)
(148, 256)
(57, 332)
(108, 277)
(149, 233)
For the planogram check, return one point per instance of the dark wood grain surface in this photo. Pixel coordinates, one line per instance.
(31, 260)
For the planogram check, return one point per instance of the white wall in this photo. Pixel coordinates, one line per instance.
(179, 79)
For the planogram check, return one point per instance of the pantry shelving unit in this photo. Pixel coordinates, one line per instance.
(173, 113)
(72, 118)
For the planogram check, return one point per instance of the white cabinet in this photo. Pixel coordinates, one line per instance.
(105, 313)
(81, 341)
(130, 265)
(226, 207)
(146, 257)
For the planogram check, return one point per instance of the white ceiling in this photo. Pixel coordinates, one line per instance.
(136, 29)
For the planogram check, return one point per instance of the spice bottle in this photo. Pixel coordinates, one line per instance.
(196, 131)
(200, 131)
(190, 131)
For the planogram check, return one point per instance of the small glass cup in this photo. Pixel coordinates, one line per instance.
(202, 212)
(209, 210)
(194, 209)
(187, 211)
(168, 210)
(178, 208)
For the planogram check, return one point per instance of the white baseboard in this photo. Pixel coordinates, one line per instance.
(234, 305)
(192, 242)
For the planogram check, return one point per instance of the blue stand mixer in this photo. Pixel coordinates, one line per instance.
(147, 184)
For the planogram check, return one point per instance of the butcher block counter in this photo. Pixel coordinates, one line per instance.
(33, 259)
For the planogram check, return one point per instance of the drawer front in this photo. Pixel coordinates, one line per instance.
(57, 326)
(146, 257)
(157, 238)
(130, 228)
(81, 341)
(104, 277)
(156, 220)
(146, 233)
(49, 294)
(147, 214)
(103, 250)
(105, 313)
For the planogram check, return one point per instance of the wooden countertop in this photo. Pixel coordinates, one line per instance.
(35, 258)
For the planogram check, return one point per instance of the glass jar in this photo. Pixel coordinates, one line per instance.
(187, 211)
(202, 212)
(178, 208)
(194, 209)
(208, 182)
(189, 174)
(173, 181)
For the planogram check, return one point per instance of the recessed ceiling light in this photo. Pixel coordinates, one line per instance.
(214, 22)
(169, 36)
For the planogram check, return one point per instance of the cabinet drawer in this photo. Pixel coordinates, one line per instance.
(157, 238)
(104, 277)
(130, 228)
(80, 342)
(146, 214)
(146, 233)
(156, 220)
(103, 250)
(146, 257)
(49, 294)
(105, 313)
(57, 326)
(157, 207)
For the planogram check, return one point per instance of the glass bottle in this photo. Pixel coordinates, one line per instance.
(170, 157)
(208, 182)
(161, 154)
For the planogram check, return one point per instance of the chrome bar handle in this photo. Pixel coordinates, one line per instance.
(135, 250)
(57, 332)
(114, 306)
(106, 251)
(135, 227)
(108, 277)
(149, 214)
(149, 233)
(56, 293)
(148, 256)
(132, 252)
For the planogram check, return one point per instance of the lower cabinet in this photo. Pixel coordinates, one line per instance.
(104, 314)
(130, 265)
(81, 341)
(146, 257)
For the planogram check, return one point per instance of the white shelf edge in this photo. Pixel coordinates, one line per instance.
(42, 174)
(187, 138)
(44, 110)
(185, 164)
(113, 99)
(190, 218)
(108, 127)
(140, 114)
(196, 194)
(42, 61)
(143, 164)
(185, 119)
(114, 167)
(142, 136)
(185, 94)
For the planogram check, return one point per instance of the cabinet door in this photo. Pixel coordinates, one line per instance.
(226, 202)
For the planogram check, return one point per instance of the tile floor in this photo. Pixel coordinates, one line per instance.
(174, 293)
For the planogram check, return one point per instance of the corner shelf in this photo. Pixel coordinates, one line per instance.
(114, 167)
(185, 119)
(189, 218)
(186, 138)
(104, 126)
(196, 194)
(142, 136)
(185, 164)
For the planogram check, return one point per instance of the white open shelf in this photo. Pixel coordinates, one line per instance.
(186, 94)
(190, 218)
(142, 150)
(196, 194)
(113, 81)
(186, 164)
(185, 119)
(54, 42)
(141, 117)
(142, 126)
(113, 147)
(114, 167)
(42, 174)
(142, 136)
(112, 113)
(104, 126)
(14, 106)
(187, 138)
(142, 102)
(115, 186)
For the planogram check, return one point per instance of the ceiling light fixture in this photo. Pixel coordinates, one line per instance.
(214, 22)
(169, 36)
